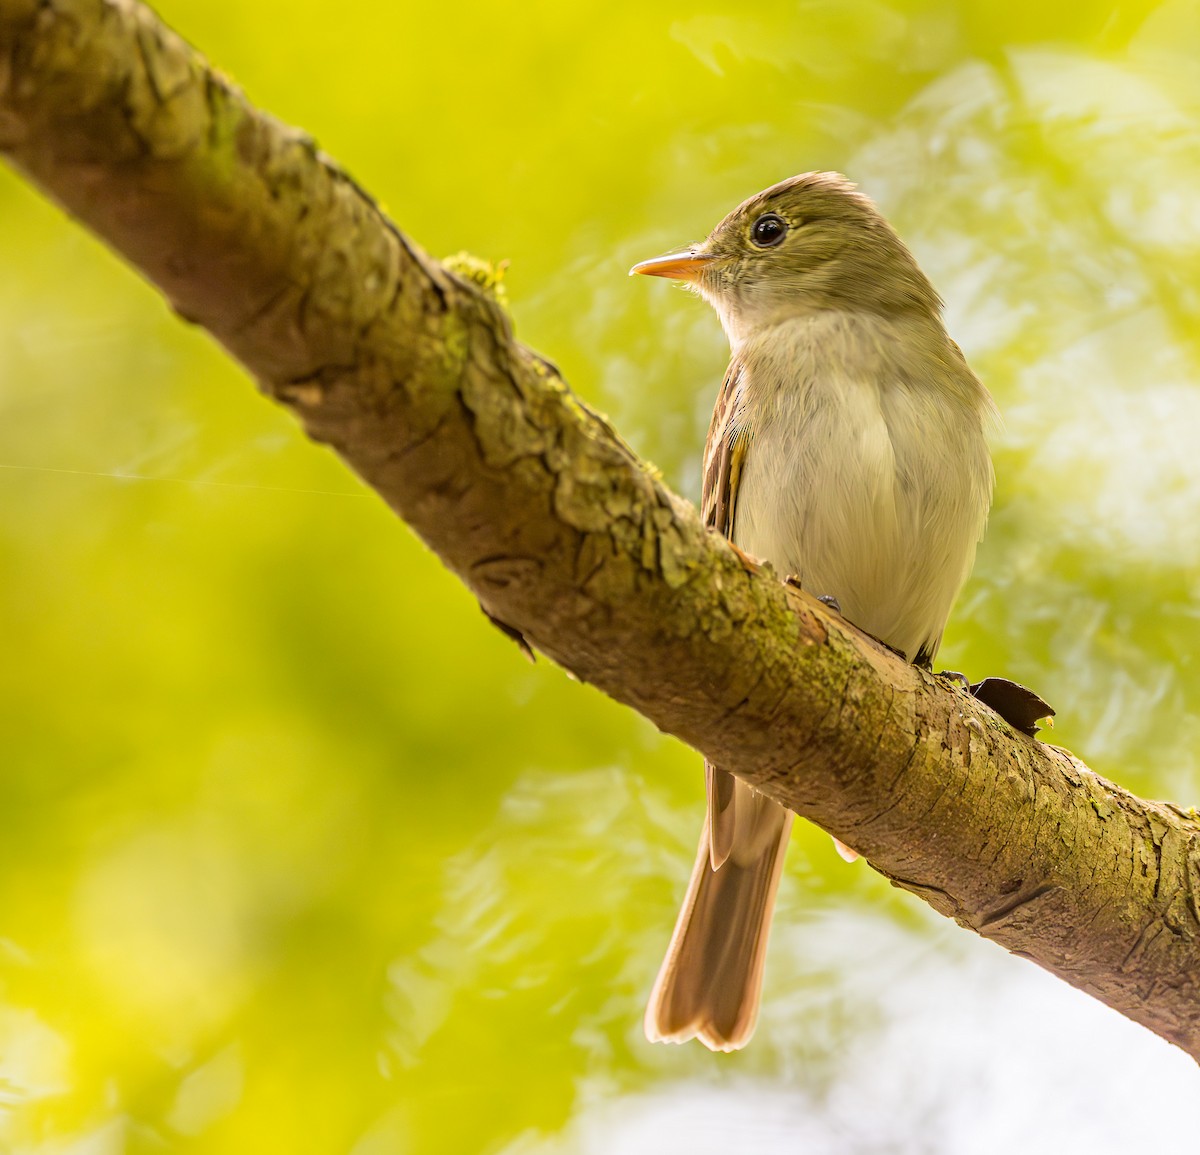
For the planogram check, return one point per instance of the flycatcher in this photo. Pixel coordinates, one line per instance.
(847, 448)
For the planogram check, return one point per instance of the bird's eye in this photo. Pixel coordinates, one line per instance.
(768, 230)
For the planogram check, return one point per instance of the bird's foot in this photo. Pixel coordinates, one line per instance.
(793, 580)
(832, 602)
(960, 678)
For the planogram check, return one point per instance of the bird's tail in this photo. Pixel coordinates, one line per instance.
(709, 984)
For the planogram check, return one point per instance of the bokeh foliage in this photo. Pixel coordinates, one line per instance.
(301, 856)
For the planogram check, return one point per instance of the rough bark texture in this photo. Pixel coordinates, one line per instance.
(413, 376)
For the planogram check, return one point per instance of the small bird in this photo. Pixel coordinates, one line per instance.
(847, 448)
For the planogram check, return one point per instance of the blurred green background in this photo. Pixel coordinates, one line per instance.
(299, 855)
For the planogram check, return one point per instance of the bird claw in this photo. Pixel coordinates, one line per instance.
(793, 580)
(832, 602)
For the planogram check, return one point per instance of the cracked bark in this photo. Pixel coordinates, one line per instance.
(412, 375)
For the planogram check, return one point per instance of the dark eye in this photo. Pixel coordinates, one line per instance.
(768, 230)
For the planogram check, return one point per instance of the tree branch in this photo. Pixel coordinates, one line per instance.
(413, 376)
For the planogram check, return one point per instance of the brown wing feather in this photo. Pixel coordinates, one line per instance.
(724, 453)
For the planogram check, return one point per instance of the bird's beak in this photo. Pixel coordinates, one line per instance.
(678, 266)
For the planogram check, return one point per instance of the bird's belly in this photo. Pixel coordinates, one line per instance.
(829, 507)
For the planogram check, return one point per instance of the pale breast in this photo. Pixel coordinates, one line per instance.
(861, 481)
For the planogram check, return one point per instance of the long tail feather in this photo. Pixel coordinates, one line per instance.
(709, 983)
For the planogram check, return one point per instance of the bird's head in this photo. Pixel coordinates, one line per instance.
(811, 242)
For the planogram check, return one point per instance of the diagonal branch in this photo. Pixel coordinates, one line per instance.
(412, 375)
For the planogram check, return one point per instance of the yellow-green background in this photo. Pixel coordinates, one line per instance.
(297, 854)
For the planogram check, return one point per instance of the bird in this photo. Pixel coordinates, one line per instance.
(848, 448)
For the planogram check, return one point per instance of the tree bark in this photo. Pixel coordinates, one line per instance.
(413, 376)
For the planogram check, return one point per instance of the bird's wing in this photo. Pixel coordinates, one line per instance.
(724, 456)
